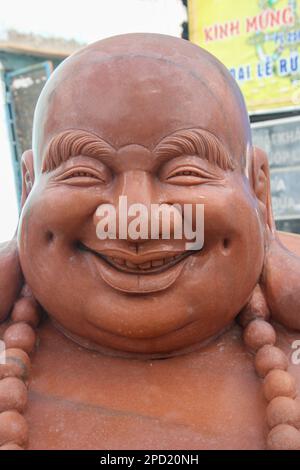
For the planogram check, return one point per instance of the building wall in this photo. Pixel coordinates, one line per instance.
(8, 195)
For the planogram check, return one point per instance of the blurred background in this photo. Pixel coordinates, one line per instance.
(258, 40)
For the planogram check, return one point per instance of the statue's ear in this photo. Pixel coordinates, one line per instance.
(27, 174)
(11, 277)
(279, 282)
(260, 177)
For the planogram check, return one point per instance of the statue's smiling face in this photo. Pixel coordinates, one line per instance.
(153, 132)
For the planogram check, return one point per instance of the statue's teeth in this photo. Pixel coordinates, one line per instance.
(143, 266)
(146, 265)
(157, 262)
(131, 265)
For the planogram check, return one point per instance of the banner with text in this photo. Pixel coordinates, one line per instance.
(259, 41)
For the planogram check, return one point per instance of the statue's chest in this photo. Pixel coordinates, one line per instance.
(83, 400)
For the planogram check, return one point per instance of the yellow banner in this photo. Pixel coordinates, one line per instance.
(259, 41)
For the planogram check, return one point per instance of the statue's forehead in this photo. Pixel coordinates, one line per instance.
(135, 98)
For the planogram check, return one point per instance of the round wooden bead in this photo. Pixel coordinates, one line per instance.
(284, 437)
(269, 357)
(13, 394)
(20, 336)
(283, 410)
(26, 310)
(259, 333)
(11, 446)
(17, 364)
(13, 428)
(279, 383)
(256, 308)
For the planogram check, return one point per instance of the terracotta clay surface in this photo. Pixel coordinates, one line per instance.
(211, 399)
(141, 342)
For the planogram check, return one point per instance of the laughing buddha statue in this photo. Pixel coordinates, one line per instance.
(133, 342)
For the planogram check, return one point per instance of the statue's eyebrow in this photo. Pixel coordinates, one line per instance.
(72, 143)
(195, 142)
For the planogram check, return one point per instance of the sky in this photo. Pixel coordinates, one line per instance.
(90, 20)
(86, 22)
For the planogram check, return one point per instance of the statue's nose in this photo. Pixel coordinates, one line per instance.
(138, 211)
(137, 187)
(130, 201)
(134, 198)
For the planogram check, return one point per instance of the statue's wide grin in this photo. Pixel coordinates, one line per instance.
(154, 262)
(136, 274)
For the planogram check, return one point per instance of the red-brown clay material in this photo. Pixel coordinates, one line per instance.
(142, 138)
(21, 336)
(26, 310)
(279, 383)
(13, 428)
(11, 446)
(256, 308)
(258, 333)
(17, 364)
(10, 276)
(13, 394)
(270, 357)
(283, 410)
(284, 437)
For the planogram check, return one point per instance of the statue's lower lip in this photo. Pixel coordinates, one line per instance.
(135, 281)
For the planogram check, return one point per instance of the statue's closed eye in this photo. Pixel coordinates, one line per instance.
(82, 176)
(78, 174)
(184, 173)
(189, 170)
(186, 176)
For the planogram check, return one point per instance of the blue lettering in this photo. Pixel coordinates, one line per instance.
(268, 68)
(283, 67)
(241, 73)
(259, 71)
(294, 63)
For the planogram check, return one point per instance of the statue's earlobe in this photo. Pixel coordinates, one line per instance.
(27, 174)
(10, 277)
(260, 177)
(280, 283)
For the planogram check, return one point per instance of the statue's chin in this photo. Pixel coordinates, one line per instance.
(136, 354)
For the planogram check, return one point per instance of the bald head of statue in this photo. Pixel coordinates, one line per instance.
(159, 121)
(139, 88)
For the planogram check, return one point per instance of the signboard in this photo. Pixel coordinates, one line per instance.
(286, 193)
(259, 42)
(280, 139)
